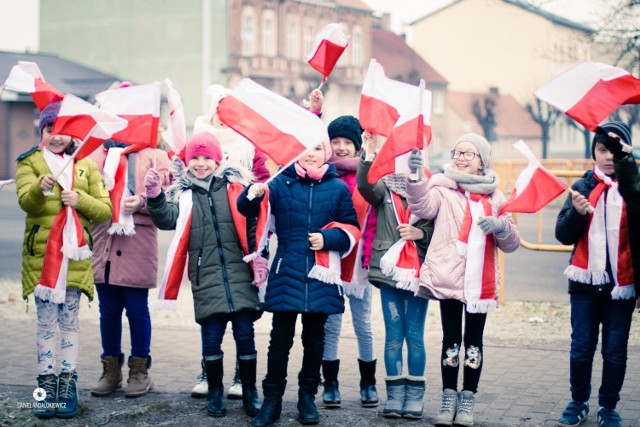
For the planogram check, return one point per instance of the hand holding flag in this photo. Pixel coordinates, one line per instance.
(329, 44)
(26, 77)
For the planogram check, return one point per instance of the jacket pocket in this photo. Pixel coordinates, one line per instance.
(31, 239)
(198, 264)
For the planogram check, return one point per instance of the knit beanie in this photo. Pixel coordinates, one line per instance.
(48, 115)
(619, 128)
(203, 144)
(481, 144)
(347, 127)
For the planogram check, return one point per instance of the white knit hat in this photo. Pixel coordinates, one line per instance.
(481, 144)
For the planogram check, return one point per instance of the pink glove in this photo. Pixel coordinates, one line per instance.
(260, 267)
(152, 183)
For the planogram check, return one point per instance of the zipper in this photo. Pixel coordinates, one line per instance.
(306, 280)
(223, 266)
(198, 263)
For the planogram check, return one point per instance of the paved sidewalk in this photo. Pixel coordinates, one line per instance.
(522, 384)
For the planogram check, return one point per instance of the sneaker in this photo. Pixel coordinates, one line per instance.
(574, 414)
(235, 390)
(609, 418)
(201, 389)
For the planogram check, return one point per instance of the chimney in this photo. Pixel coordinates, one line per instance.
(493, 90)
(385, 21)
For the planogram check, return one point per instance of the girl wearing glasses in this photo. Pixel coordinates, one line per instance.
(461, 268)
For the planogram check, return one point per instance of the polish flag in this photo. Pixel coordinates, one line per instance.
(274, 124)
(329, 44)
(80, 119)
(176, 133)
(140, 106)
(26, 77)
(535, 187)
(590, 92)
(383, 98)
(407, 134)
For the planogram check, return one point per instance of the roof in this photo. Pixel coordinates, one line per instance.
(512, 119)
(400, 62)
(353, 4)
(66, 76)
(528, 7)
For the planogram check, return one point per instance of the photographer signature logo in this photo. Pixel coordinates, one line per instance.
(39, 394)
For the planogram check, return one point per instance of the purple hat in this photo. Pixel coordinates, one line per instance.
(48, 115)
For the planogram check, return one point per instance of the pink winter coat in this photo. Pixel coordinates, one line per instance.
(442, 273)
(130, 260)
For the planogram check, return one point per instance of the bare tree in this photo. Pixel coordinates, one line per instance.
(586, 135)
(545, 116)
(620, 30)
(483, 111)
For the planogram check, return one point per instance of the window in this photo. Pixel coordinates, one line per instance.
(438, 101)
(248, 32)
(309, 39)
(293, 45)
(356, 47)
(268, 34)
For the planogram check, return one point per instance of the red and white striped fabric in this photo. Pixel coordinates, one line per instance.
(26, 77)
(140, 106)
(480, 282)
(535, 187)
(176, 133)
(383, 99)
(329, 44)
(401, 261)
(275, 125)
(328, 266)
(407, 134)
(82, 120)
(354, 276)
(590, 92)
(116, 180)
(66, 240)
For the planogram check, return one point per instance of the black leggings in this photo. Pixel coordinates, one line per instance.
(451, 317)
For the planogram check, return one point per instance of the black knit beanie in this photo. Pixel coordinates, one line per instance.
(619, 128)
(347, 127)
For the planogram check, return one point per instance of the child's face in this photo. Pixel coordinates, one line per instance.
(314, 158)
(343, 147)
(202, 166)
(468, 158)
(57, 144)
(604, 159)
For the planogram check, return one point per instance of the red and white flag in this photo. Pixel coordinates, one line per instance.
(535, 187)
(590, 92)
(26, 77)
(176, 133)
(83, 120)
(140, 106)
(407, 134)
(382, 99)
(329, 44)
(275, 125)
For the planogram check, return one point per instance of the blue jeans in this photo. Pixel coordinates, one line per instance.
(213, 328)
(588, 312)
(112, 301)
(404, 317)
(361, 317)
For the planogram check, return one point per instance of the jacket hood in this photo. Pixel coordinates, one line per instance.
(233, 172)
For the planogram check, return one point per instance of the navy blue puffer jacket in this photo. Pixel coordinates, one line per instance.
(302, 206)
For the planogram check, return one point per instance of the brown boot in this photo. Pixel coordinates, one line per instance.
(111, 377)
(139, 382)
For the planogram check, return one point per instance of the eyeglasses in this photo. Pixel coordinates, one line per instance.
(467, 155)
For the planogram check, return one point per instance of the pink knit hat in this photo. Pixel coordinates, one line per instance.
(203, 144)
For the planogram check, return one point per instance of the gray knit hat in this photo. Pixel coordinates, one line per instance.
(481, 144)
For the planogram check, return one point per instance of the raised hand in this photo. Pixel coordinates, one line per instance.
(152, 183)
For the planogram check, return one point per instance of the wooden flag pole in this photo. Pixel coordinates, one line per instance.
(75, 153)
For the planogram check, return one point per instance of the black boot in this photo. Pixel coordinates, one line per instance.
(331, 395)
(307, 411)
(247, 368)
(368, 392)
(215, 397)
(271, 406)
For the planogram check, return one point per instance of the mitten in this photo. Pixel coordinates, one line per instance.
(260, 267)
(619, 149)
(152, 183)
(491, 224)
(416, 163)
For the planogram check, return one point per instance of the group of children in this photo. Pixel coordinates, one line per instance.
(446, 228)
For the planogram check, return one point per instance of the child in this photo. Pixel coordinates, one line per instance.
(125, 264)
(598, 221)
(346, 140)
(404, 314)
(313, 214)
(461, 266)
(224, 289)
(56, 262)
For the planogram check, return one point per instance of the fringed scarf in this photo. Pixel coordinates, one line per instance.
(608, 233)
(401, 261)
(328, 266)
(66, 240)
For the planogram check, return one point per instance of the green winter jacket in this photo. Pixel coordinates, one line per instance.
(93, 205)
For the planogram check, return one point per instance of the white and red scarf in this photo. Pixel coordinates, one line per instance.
(401, 261)
(479, 251)
(354, 276)
(328, 266)
(66, 239)
(608, 232)
(116, 179)
(178, 249)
